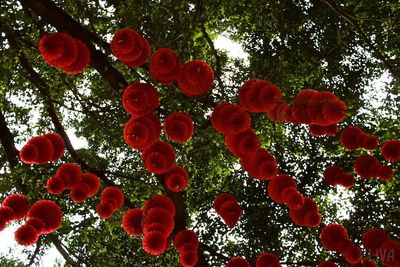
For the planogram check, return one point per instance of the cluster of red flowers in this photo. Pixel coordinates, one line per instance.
(367, 167)
(158, 224)
(303, 211)
(267, 259)
(179, 127)
(62, 51)
(112, 198)
(130, 47)
(334, 237)
(378, 243)
(14, 207)
(165, 66)
(227, 206)
(44, 217)
(238, 262)
(42, 149)
(391, 150)
(187, 243)
(353, 138)
(176, 179)
(70, 176)
(334, 175)
(319, 130)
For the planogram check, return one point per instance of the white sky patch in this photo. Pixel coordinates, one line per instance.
(234, 49)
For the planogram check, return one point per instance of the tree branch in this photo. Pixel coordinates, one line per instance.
(57, 243)
(375, 51)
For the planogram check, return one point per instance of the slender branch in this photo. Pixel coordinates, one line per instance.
(35, 253)
(214, 253)
(353, 22)
(57, 243)
(216, 56)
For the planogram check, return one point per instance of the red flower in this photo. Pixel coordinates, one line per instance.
(7, 213)
(113, 192)
(55, 185)
(332, 236)
(351, 138)
(26, 235)
(373, 239)
(230, 212)
(242, 144)
(160, 215)
(267, 259)
(221, 199)
(82, 60)
(389, 253)
(327, 264)
(176, 179)
(140, 99)
(188, 258)
(238, 262)
(19, 204)
(261, 165)
(141, 132)
(259, 96)
(70, 173)
(307, 214)
(29, 153)
(69, 54)
(165, 66)
(37, 223)
(142, 57)
(353, 254)
(385, 173)
(105, 209)
(58, 145)
(154, 243)
(159, 158)
(51, 46)
(292, 198)
(367, 166)
(228, 118)
(93, 183)
(391, 150)
(195, 78)
(79, 193)
(49, 212)
(179, 127)
(127, 44)
(277, 185)
(159, 201)
(132, 222)
(185, 237)
(44, 147)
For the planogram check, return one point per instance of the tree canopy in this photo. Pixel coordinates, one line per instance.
(350, 48)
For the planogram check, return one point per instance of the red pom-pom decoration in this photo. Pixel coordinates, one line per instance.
(70, 173)
(278, 184)
(318, 130)
(55, 185)
(259, 96)
(391, 150)
(306, 215)
(82, 60)
(185, 239)
(261, 164)
(176, 179)
(334, 175)
(367, 166)
(58, 145)
(79, 193)
(93, 183)
(159, 201)
(179, 127)
(267, 259)
(141, 132)
(195, 78)
(353, 254)
(140, 99)
(47, 211)
(115, 193)
(132, 222)
(165, 66)
(389, 253)
(188, 258)
(154, 243)
(7, 214)
(238, 262)
(228, 118)
(373, 239)
(159, 158)
(327, 264)
(332, 237)
(58, 49)
(242, 144)
(19, 204)
(37, 223)
(26, 235)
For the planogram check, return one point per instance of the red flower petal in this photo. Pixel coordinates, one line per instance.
(195, 78)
